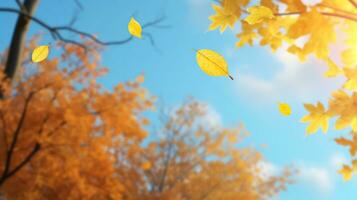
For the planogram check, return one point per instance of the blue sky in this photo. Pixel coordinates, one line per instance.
(261, 80)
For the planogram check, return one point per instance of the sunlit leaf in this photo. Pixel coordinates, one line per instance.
(40, 53)
(258, 13)
(222, 19)
(134, 28)
(284, 109)
(317, 118)
(212, 63)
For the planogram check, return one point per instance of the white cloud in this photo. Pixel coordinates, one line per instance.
(212, 118)
(199, 10)
(294, 80)
(317, 178)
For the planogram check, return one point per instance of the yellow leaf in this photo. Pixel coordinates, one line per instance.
(333, 69)
(222, 19)
(40, 53)
(212, 63)
(146, 165)
(258, 13)
(346, 172)
(134, 28)
(341, 123)
(317, 118)
(284, 109)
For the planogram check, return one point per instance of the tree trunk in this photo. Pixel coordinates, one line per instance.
(18, 39)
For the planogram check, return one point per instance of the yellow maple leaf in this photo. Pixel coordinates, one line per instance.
(212, 63)
(284, 109)
(258, 13)
(134, 28)
(317, 118)
(40, 53)
(222, 19)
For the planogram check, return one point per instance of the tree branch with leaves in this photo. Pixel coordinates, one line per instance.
(281, 24)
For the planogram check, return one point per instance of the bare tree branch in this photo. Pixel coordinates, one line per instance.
(18, 39)
(21, 5)
(338, 15)
(79, 4)
(56, 31)
(17, 131)
(27, 159)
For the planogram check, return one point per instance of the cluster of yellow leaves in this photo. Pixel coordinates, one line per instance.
(274, 23)
(348, 171)
(59, 107)
(257, 14)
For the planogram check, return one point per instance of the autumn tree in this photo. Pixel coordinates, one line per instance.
(58, 127)
(283, 23)
(14, 79)
(189, 159)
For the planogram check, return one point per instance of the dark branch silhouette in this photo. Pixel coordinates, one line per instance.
(57, 31)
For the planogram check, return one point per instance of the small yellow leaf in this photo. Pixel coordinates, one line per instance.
(134, 28)
(284, 109)
(212, 63)
(40, 53)
(258, 13)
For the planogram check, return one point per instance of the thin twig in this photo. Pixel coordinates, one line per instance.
(56, 34)
(338, 15)
(79, 4)
(17, 131)
(21, 5)
(27, 159)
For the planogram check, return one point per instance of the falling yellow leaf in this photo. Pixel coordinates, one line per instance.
(40, 53)
(134, 28)
(146, 165)
(258, 13)
(212, 63)
(284, 109)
